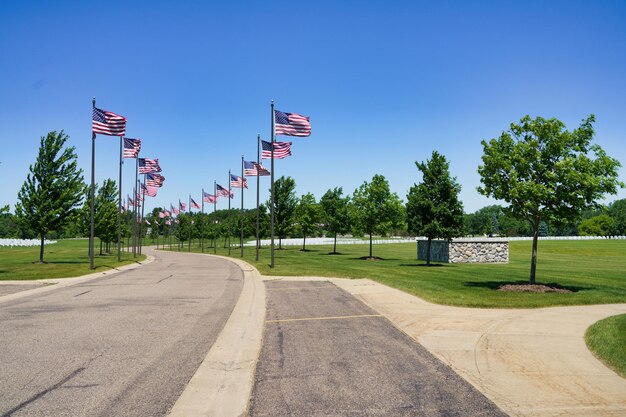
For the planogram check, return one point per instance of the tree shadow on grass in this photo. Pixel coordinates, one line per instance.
(334, 253)
(373, 259)
(495, 285)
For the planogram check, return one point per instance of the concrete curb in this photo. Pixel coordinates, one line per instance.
(54, 283)
(223, 383)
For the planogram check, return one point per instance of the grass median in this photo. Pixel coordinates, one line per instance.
(606, 339)
(66, 258)
(594, 270)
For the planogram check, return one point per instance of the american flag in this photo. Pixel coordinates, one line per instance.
(131, 202)
(167, 213)
(252, 169)
(161, 215)
(108, 123)
(281, 150)
(174, 210)
(291, 124)
(182, 206)
(225, 192)
(155, 180)
(237, 182)
(147, 166)
(149, 190)
(131, 147)
(147, 222)
(155, 222)
(194, 204)
(209, 198)
(168, 222)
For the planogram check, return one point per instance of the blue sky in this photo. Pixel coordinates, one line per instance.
(385, 83)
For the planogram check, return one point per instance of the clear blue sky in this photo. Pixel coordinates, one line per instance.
(385, 83)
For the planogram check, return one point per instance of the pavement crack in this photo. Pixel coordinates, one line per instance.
(82, 293)
(42, 393)
(163, 279)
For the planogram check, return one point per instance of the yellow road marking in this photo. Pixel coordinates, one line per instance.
(302, 288)
(325, 318)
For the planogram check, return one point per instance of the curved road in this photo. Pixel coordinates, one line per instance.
(124, 344)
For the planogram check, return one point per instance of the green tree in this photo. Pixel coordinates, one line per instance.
(52, 189)
(335, 213)
(105, 214)
(307, 215)
(285, 202)
(375, 209)
(601, 225)
(546, 173)
(617, 210)
(433, 208)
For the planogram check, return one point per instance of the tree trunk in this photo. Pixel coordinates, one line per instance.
(370, 245)
(428, 251)
(280, 242)
(41, 250)
(533, 260)
(335, 244)
(304, 244)
(100, 246)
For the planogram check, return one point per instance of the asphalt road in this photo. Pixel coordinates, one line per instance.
(325, 353)
(122, 345)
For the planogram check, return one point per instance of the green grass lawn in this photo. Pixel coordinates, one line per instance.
(594, 269)
(607, 339)
(66, 258)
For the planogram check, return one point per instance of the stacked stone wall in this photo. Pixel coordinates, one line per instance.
(465, 251)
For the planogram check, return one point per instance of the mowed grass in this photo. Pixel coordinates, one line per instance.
(66, 258)
(607, 340)
(595, 270)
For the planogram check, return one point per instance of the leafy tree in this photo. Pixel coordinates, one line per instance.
(307, 215)
(335, 213)
(617, 210)
(602, 225)
(375, 209)
(285, 202)
(52, 189)
(105, 214)
(433, 207)
(546, 173)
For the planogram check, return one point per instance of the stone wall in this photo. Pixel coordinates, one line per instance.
(465, 251)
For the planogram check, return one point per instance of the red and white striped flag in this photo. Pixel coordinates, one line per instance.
(131, 147)
(107, 123)
(224, 192)
(147, 166)
(161, 215)
(182, 206)
(281, 150)
(209, 198)
(155, 180)
(194, 204)
(238, 182)
(253, 169)
(291, 124)
(174, 210)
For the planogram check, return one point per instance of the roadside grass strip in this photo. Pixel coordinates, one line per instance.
(593, 270)
(607, 340)
(66, 258)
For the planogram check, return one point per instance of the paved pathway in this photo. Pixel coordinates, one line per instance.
(125, 344)
(325, 353)
(530, 362)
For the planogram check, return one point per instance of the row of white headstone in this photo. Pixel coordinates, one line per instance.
(24, 242)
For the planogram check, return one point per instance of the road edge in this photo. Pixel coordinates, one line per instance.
(223, 383)
(54, 283)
